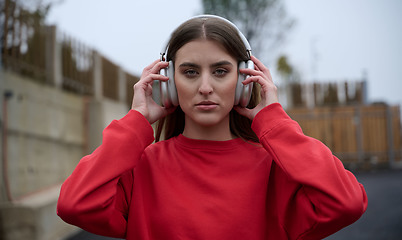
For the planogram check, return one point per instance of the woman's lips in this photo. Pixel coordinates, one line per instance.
(206, 105)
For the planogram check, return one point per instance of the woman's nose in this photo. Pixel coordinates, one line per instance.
(205, 85)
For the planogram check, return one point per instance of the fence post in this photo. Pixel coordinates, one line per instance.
(53, 58)
(390, 137)
(97, 81)
(310, 95)
(364, 88)
(359, 135)
(121, 86)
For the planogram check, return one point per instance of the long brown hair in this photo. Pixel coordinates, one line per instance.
(223, 33)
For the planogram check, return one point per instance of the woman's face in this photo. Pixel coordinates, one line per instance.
(205, 77)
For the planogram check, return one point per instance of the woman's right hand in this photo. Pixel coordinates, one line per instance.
(142, 100)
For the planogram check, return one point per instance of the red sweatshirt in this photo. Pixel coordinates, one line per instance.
(288, 187)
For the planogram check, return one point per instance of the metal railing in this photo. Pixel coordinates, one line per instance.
(45, 55)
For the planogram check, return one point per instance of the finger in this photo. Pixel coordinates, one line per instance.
(243, 111)
(159, 66)
(150, 66)
(261, 67)
(268, 88)
(266, 85)
(154, 67)
(151, 78)
(160, 112)
(258, 64)
(259, 77)
(257, 68)
(256, 79)
(265, 75)
(252, 72)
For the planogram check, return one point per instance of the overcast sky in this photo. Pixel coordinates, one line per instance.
(333, 40)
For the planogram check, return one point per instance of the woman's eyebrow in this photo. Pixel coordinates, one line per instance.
(217, 64)
(189, 64)
(221, 63)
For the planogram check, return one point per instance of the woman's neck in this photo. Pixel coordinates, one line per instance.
(217, 132)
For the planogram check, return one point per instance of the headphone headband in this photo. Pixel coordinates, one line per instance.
(168, 91)
(243, 38)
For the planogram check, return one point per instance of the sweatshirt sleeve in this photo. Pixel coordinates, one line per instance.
(314, 194)
(93, 196)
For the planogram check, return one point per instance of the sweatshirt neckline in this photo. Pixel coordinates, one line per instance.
(207, 144)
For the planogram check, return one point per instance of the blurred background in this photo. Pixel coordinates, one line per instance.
(67, 68)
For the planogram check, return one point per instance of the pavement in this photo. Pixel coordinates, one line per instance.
(381, 221)
(383, 218)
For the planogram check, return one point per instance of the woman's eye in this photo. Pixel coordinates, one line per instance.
(220, 72)
(190, 73)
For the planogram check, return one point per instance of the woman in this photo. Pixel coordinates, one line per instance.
(223, 171)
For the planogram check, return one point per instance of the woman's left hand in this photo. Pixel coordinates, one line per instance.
(262, 76)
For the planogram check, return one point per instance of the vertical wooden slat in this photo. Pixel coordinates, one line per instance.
(360, 135)
(390, 136)
(5, 31)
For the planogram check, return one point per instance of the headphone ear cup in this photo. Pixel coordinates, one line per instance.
(168, 91)
(243, 92)
(239, 86)
(163, 88)
(172, 85)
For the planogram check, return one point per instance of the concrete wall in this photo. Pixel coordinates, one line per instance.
(48, 132)
(34, 217)
(101, 113)
(45, 135)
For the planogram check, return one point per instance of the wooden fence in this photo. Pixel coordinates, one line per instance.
(318, 94)
(363, 136)
(77, 65)
(35, 50)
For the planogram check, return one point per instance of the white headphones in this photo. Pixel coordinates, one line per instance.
(168, 92)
